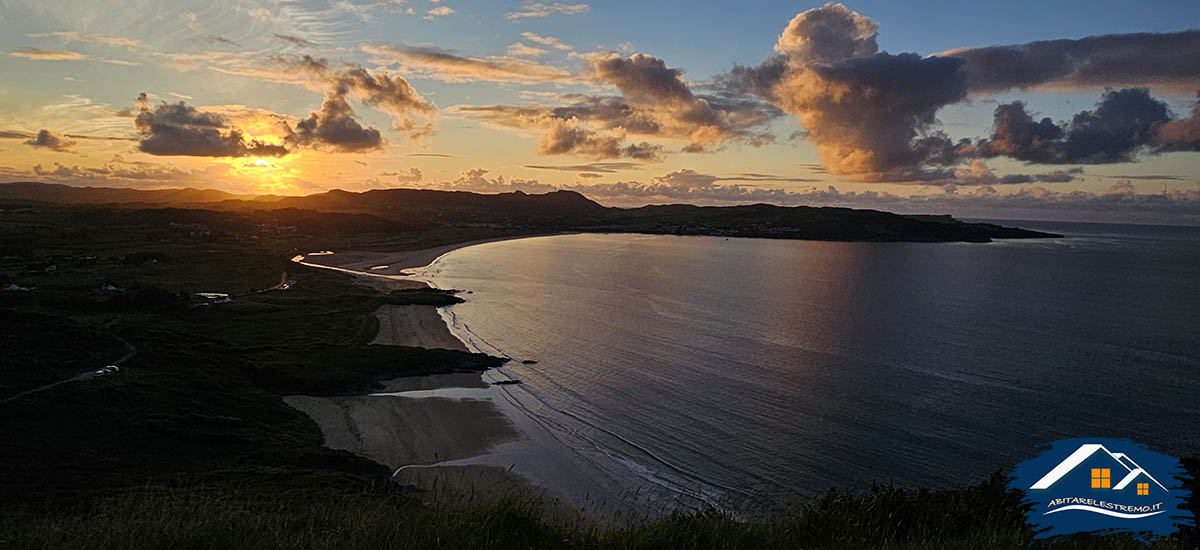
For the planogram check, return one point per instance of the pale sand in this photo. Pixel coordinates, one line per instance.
(414, 326)
(400, 431)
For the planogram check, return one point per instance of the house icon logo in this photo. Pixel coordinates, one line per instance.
(1102, 486)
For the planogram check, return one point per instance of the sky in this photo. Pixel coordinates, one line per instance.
(1024, 110)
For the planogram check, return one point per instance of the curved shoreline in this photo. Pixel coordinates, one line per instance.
(565, 475)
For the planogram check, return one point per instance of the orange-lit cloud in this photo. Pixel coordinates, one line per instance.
(48, 55)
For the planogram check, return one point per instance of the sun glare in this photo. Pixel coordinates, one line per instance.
(262, 162)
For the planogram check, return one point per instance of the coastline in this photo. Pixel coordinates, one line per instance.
(459, 433)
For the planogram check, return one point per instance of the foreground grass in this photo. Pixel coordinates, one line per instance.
(197, 518)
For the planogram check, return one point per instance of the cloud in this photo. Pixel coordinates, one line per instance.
(191, 21)
(179, 129)
(603, 167)
(870, 115)
(655, 102)
(1124, 124)
(119, 171)
(430, 62)
(1181, 134)
(546, 41)
(439, 11)
(477, 181)
(828, 34)
(569, 137)
(682, 185)
(391, 94)
(538, 10)
(335, 126)
(1057, 176)
(103, 39)
(49, 140)
(295, 40)
(48, 55)
(222, 41)
(520, 49)
(1169, 61)
(1122, 187)
(411, 177)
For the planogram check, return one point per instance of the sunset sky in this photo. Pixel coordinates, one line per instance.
(942, 107)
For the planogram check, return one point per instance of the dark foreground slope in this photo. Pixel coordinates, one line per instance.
(557, 211)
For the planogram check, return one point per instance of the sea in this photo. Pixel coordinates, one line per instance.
(754, 374)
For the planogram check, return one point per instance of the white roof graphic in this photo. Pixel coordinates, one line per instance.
(1084, 452)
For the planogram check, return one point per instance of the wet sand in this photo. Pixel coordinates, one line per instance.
(414, 326)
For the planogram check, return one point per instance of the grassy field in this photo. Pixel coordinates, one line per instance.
(190, 445)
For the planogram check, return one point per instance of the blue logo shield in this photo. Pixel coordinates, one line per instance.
(1100, 486)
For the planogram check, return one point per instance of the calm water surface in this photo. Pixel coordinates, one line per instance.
(760, 372)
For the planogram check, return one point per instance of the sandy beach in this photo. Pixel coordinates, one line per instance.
(414, 326)
(454, 433)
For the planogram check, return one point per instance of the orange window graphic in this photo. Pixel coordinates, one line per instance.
(1101, 478)
(1143, 488)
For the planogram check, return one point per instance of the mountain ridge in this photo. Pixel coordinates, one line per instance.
(561, 210)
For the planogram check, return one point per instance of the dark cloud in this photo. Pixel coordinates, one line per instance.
(431, 155)
(1058, 176)
(335, 126)
(590, 175)
(390, 94)
(570, 137)
(603, 167)
(221, 40)
(411, 177)
(655, 102)
(1164, 60)
(295, 40)
(49, 140)
(179, 129)
(872, 115)
(1152, 177)
(1124, 124)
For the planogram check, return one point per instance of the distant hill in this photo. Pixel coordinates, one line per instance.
(68, 194)
(556, 211)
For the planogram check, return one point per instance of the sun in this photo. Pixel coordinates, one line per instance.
(262, 162)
